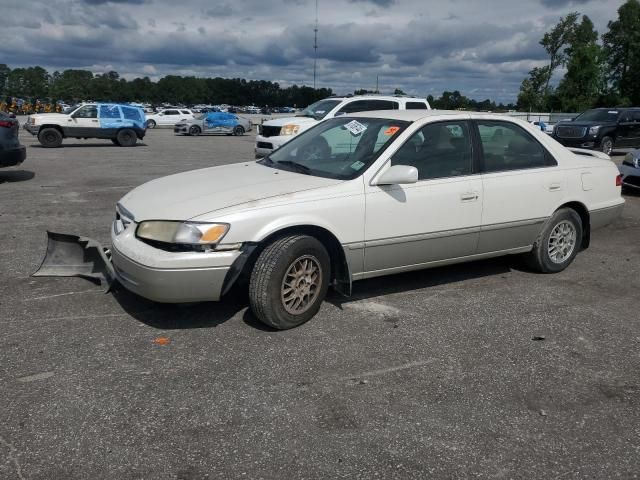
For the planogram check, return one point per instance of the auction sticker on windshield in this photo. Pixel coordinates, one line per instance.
(355, 127)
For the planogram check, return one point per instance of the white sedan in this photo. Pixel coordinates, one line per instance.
(168, 117)
(359, 197)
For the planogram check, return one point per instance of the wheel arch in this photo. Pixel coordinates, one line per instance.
(581, 209)
(340, 271)
(54, 126)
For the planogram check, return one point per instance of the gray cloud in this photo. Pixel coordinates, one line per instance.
(562, 3)
(418, 46)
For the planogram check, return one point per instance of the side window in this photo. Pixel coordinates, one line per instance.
(438, 150)
(185, 112)
(506, 146)
(416, 106)
(109, 111)
(635, 117)
(171, 112)
(383, 105)
(625, 117)
(355, 106)
(131, 114)
(88, 111)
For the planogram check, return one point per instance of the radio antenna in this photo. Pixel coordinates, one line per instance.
(315, 47)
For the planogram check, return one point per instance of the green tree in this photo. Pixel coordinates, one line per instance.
(534, 91)
(555, 42)
(4, 75)
(584, 81)
(622, 49)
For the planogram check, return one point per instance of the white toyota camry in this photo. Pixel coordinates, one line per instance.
(357, 197)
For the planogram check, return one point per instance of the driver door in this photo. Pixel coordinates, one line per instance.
(83, 122)
(435, 219)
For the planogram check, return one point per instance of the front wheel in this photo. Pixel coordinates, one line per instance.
(239, 130)
(606, 145)
(289, 281)
(558, 243)
(50, 137)
(151, 124)
(194, 130)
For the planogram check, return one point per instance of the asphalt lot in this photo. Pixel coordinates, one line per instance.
(433, 374)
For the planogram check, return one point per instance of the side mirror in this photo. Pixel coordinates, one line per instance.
(398, 175)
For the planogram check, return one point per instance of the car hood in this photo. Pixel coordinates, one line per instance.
(49, 116)
(580, 123)
(192, 194)
(279, 122)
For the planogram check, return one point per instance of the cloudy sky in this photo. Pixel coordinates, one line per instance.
(484, 48)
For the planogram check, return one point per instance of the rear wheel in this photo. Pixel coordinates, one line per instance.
(239, 130)
(151, 124)
(558, 243)
(126, 138)
(50, 137)
(194, 130)
(289, 281)
(606, 145)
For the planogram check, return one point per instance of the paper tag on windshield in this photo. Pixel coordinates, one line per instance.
(613, 111)
(355, 127)
(357, 165)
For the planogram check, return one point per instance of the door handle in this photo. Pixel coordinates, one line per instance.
(469, 196)
(554, 187)
(94, 121)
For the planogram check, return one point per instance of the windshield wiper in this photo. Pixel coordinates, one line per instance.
(298, 167)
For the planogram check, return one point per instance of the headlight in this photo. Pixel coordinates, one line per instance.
(182, 233)
(289, 129)
(594, 130)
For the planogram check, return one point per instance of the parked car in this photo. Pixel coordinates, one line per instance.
(275, 133)
(358, 197)
(601, 129)
(12, 153)
(122, 124)
(169, 116)
(214, 122)
(630, 170)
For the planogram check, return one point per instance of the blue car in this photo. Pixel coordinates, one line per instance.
(214, 122)
(122, 124)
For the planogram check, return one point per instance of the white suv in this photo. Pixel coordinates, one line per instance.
(169, 116)
(274, 133)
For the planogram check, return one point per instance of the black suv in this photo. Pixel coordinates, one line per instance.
(601, 128)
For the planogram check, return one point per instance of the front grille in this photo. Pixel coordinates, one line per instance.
(265, 145)
(268, 131)
(566, 131)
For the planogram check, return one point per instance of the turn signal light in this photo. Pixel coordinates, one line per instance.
(619, 181)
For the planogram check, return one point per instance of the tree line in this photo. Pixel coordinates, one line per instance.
(36, 83)
(599, 71)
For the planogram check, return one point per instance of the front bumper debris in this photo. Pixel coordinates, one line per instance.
(75, 256)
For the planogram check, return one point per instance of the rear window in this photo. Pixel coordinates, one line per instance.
(132, 114)
(416, 106)
(109, 111)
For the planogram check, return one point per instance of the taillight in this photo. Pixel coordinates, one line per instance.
(619, 181)
(6, 124)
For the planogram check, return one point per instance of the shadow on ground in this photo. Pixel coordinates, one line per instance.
(212, 314)
(13, 176)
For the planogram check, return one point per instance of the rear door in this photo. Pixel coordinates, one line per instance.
(522, 186)
(634, 135)
(169, 117)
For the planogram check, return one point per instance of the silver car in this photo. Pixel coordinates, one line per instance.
(214, 122)
(630, 170)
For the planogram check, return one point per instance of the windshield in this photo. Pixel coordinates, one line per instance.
(341, 148)
(319, 109)
(598, 116)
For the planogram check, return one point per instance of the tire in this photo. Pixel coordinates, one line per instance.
(126, 137)
(564, 232)
(194, 130)
(239, 130)
(151, 124)
(274, 302)
(50, 137)
(606, 145)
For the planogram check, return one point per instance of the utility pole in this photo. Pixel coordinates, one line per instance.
(315, 47)
(377, 78)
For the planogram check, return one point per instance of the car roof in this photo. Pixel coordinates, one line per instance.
(414, 115)
(375, 96)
